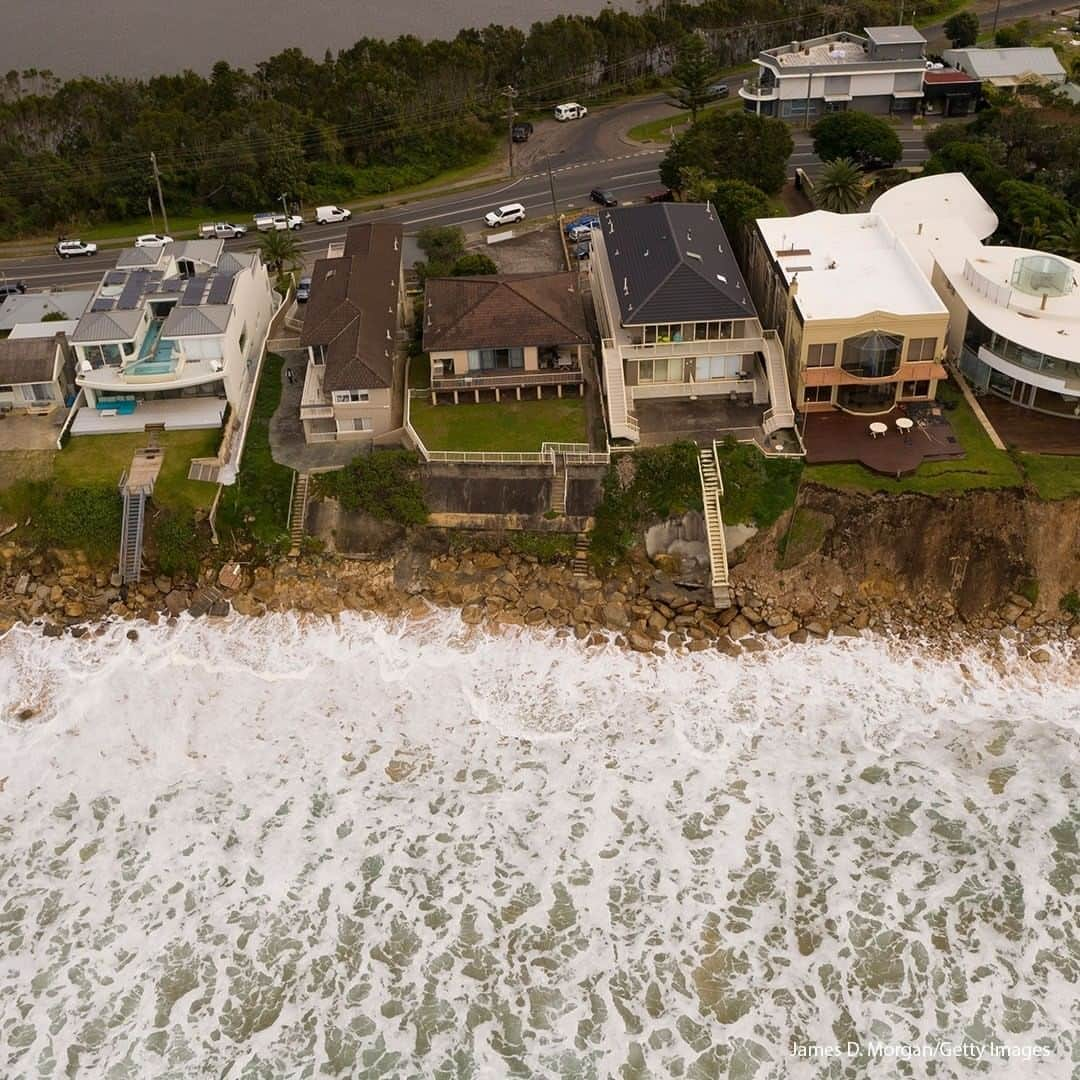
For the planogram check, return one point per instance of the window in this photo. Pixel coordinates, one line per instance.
(921, 348)
(496, 359)
(668, 369)
(921, 388)
(813, 395)
(349, 397)
(717, 367)
(200, 348)
(820, 355)
(5, 389)
(872, 356)
(664, 332)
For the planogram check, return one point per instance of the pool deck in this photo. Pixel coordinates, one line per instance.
(182, 414)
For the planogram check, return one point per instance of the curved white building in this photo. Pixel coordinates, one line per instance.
(1014, 313)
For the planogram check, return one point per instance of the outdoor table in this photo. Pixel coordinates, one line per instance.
(904, 425)
(877, 429)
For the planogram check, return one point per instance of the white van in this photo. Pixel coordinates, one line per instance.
(505, 215)
(328, 215)
(571, 110)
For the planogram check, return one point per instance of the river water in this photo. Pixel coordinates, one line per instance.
(262, 849)
(134, 37)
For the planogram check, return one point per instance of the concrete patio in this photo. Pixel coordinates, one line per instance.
(664, 420)
(19, 431)
(838, 437)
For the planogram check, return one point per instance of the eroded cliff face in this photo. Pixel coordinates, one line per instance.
(970, 552)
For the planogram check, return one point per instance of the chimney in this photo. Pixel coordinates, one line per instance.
(918, 231)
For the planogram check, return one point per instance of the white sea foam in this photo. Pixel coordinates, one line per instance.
(271, 848)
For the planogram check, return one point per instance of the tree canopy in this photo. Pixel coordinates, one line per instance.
(841, 187)
(856, 135)
(731, 146)
(692, 72)
(739, 204)
(962, 29)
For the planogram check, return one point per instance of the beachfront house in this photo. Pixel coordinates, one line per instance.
(861, 327)
(172, 336)
(490, 336)
(684, 354)
(354, 375)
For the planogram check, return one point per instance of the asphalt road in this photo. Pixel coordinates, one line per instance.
(582, 155)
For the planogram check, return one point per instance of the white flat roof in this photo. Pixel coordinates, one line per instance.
(44, 329)
(944, 220)
(847, 265)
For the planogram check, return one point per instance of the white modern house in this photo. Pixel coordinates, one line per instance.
(1014, 313)
(880, 71)
(683, 351)
(171, 336)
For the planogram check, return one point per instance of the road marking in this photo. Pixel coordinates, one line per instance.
(627, 175)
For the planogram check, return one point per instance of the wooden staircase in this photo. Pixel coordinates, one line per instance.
(558, 491)
(297, 513)
(580, 562)
(712, 491)
(131, 536)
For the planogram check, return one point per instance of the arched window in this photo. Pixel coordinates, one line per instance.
(872, 356)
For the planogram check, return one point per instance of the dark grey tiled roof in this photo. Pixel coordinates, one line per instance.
(671, 262)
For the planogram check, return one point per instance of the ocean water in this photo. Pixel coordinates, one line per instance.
(267, 848)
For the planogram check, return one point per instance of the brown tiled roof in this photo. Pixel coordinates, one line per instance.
(353, 308)
(500, 311)
(948, 75)
(27, 360)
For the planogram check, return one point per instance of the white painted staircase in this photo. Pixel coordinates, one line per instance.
(712, 491)
(780, 413)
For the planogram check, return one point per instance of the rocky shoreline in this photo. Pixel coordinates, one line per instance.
(638, 606)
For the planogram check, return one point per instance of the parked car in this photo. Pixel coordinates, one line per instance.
(221, 230)
(329, 215)
(278, 222)
(581, 232)
(505, 215)
(586, 221)
(603, 197)
(719, 90)
(303, 290)
(11, 288)
(660, 195)
(521, 131)
(868, 162)
(152, 240)
(581, 251)
(67, 248)
(570, 110)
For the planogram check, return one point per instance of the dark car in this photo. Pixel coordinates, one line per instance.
(663, 195)
(522, 131)
(303, 290)
(604, 198)
(869, 162)
(11, 288)
(581, 251)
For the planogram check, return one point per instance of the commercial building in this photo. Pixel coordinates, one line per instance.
(354, 376)
(171, 336)
(879, 72)
(683, 352)
(1014, 313)
(861, 327)
(492, 336)
(1008, 68)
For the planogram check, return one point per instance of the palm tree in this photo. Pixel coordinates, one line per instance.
(841, 186)
(278, 248)
(1065, 239)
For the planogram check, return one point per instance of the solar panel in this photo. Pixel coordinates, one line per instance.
(220, 288)
(194, 292)
(131, 294)
(103, 303)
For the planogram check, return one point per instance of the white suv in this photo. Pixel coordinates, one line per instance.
(505, 215)
(66, 248)
(152, 240)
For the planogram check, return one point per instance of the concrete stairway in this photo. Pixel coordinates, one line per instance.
(712, 490)
(780, 413)
(297, 513)
(131, 536)
(558, 490)
(580, 562)
(622, 422)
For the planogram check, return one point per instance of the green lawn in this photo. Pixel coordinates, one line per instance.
(657, 130)
(509, 426)
(983, 465)
(1053, 476)
(99, 461)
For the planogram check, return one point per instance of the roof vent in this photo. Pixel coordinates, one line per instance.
(389, 336)
(693, 255)
(625, 288)
(610, 226)
(395, 243)
(721, 279)
(645, 253)
(689, 236)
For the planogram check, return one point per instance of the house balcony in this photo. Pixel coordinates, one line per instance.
(508, 380)
(755, 90)
(313, 403)
(733, 388)
(717, 347)
(148, 376)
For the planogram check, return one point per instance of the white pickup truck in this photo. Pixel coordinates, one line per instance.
(221, 230)
(278, 222)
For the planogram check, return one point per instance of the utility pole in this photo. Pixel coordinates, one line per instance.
(284, 202)
(510, 93)
(160, 197)
(997, 9)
